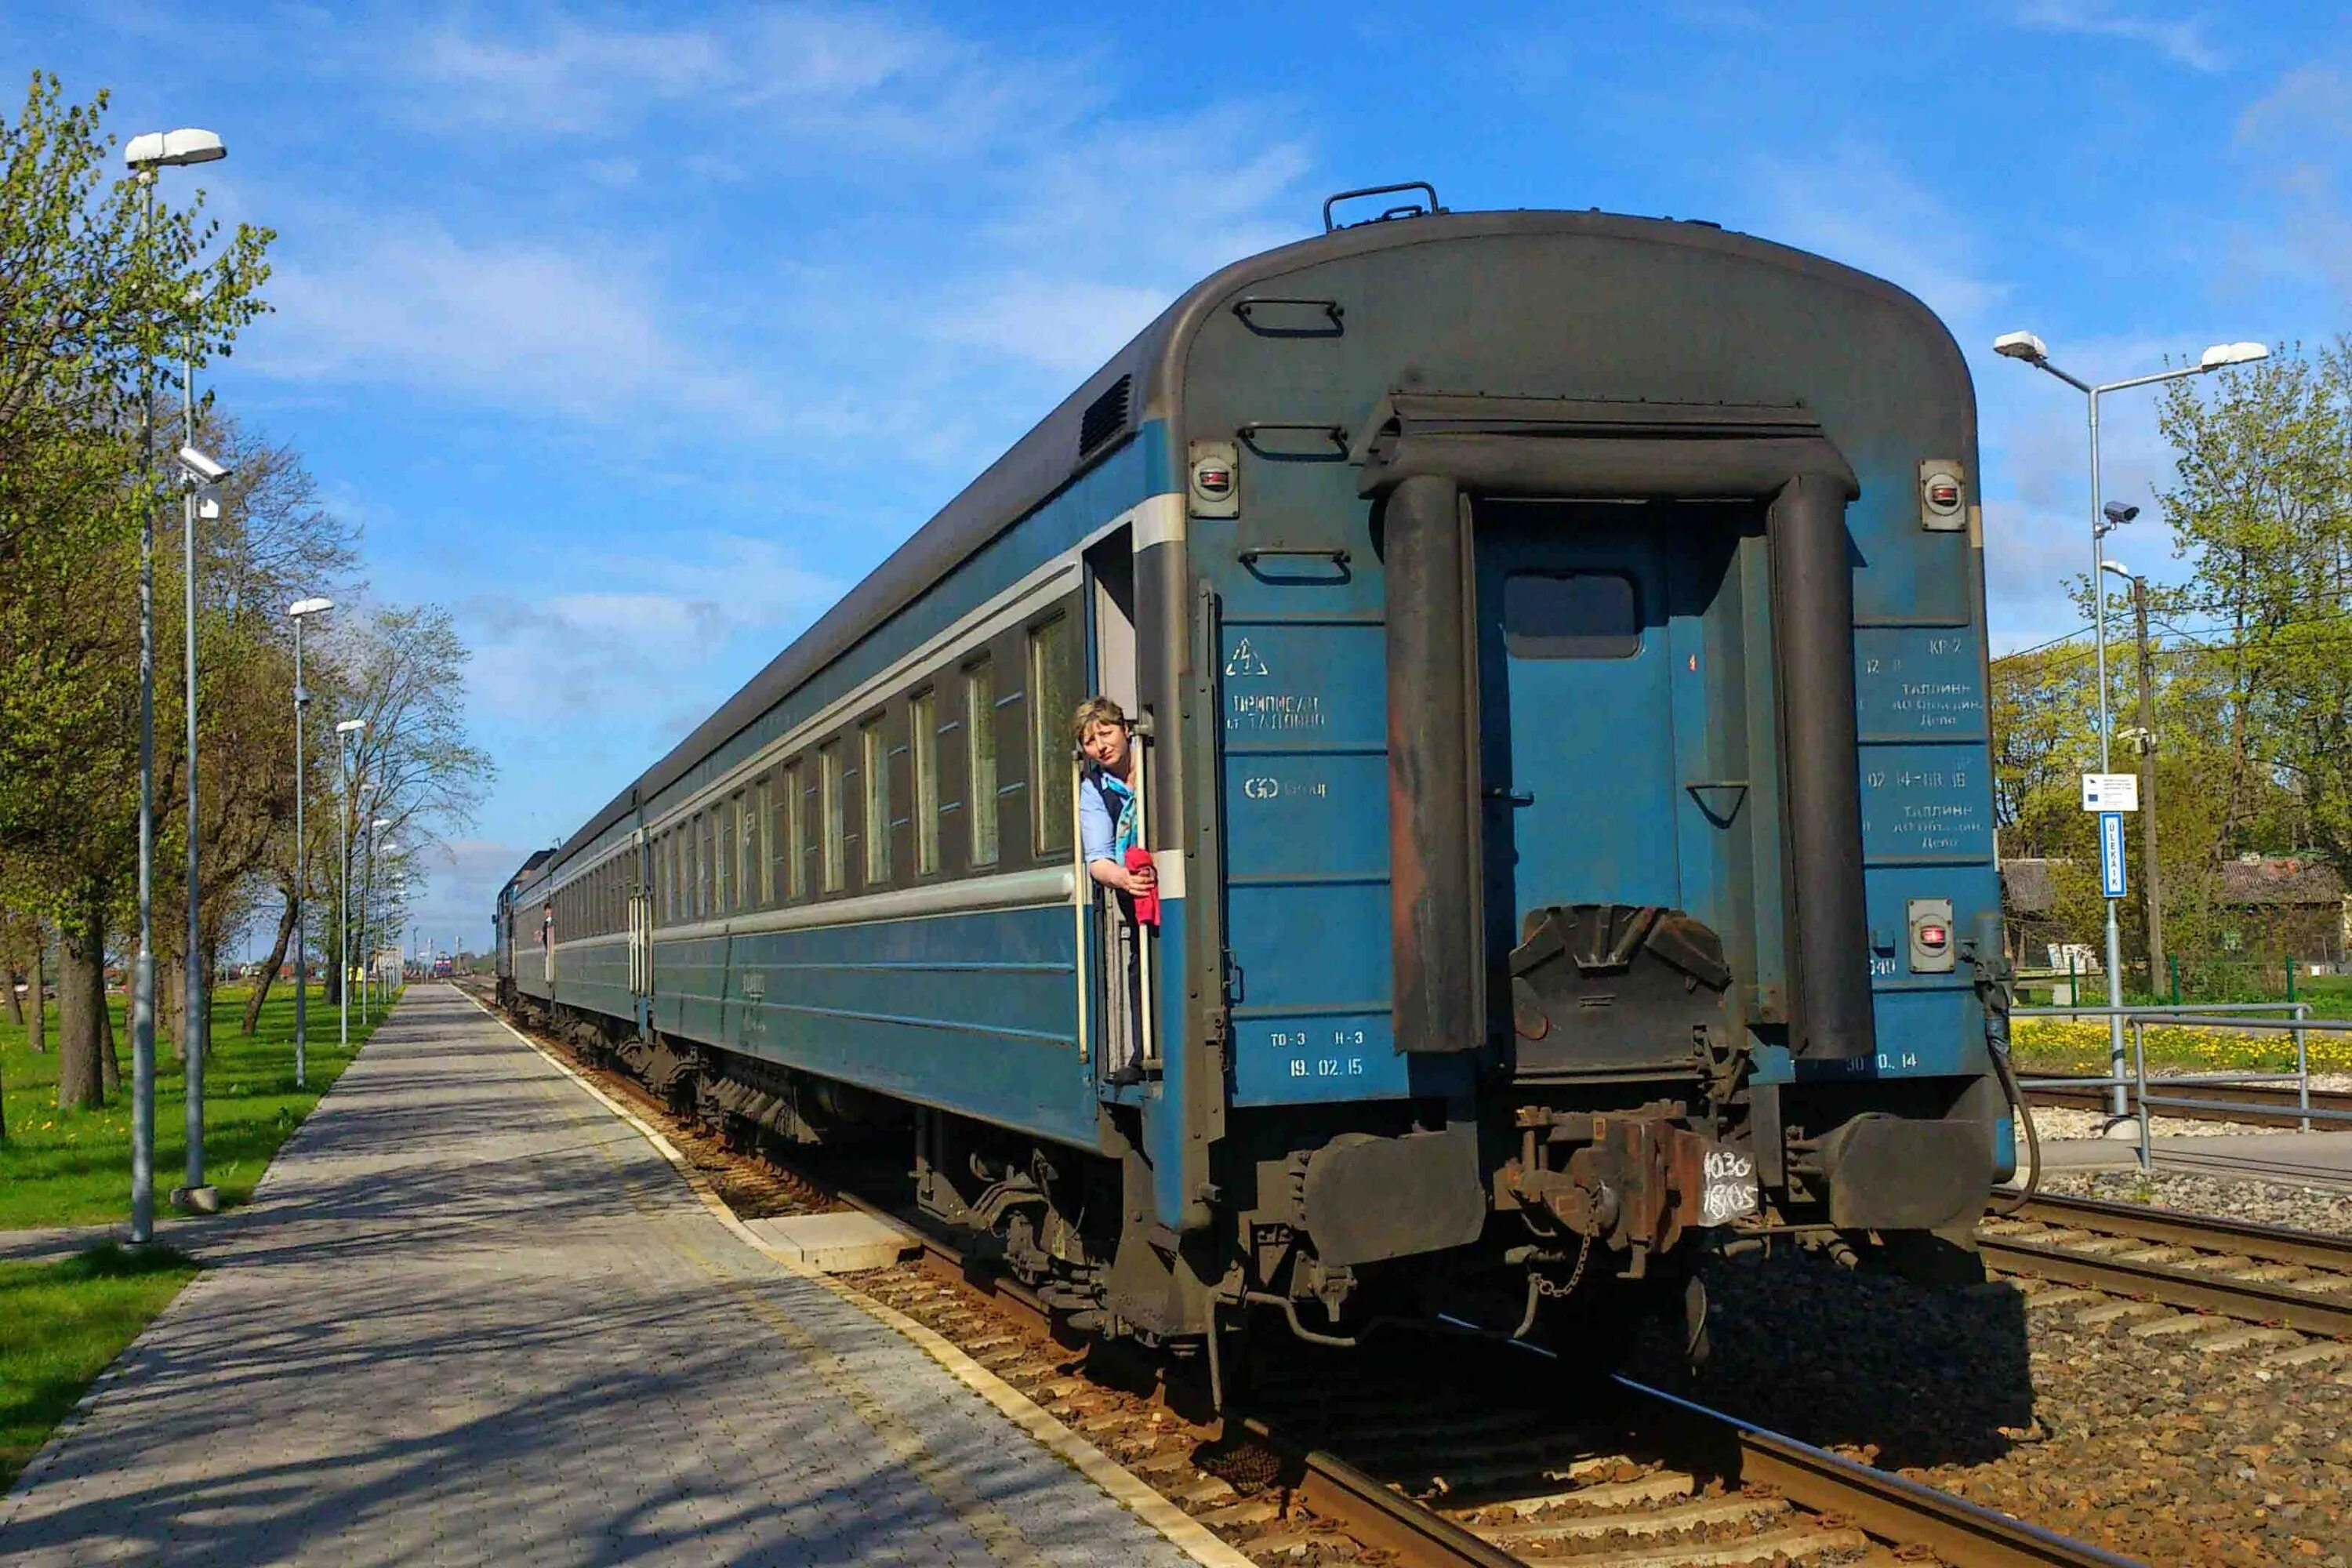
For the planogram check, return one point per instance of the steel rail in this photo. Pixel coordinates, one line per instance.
(2254, 1301)
(1893, 1507)
(2090, 1097)
(2268, 1243)
(1890, 1507)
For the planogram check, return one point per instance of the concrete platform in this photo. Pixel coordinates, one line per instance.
(474, 1317)
(845, 1243)
(2296, 1159)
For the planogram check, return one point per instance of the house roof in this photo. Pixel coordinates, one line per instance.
(2029, 885)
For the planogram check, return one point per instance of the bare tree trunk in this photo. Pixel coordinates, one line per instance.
(9, 979)
(269, 969)
(171, 1003)
(109, 1061)
(207, 982)
(39, 1029)
(81, 1010)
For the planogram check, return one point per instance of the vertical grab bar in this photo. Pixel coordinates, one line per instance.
(1081, 894)
(1148, 1056)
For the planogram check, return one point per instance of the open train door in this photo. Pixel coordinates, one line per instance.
(1117, 955)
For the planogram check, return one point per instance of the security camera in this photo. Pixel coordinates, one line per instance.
(2119, 513)
(202, 467)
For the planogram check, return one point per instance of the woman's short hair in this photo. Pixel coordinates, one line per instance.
(1096, 710)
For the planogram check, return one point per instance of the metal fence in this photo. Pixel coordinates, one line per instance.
(2254, 1016)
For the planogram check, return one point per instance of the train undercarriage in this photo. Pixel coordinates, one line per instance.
(1595, 1196)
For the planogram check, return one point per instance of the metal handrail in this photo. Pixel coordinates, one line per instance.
(2223, 1007)
(2209, 1015)
(2197, 1016)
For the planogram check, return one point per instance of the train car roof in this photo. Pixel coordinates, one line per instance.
(1049, 457)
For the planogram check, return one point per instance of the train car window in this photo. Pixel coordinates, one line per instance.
(772, 837)
(795, 833)
(1052, 700)
(1570, 614)
(980, 754)
(836, 847)
(722, 880)
(923, 738)
(749, 856)
(701, 865)
(874, 758)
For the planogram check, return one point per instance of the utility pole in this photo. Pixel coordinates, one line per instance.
(2151, 886)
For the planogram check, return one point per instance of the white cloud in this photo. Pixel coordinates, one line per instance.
(1857, 206)
(1064, 325)
(2183, 41)
(2297, 136)
(523, 324)
(621, 654)
(836, 72)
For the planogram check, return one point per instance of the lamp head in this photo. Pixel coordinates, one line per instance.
(351, 726)
(2221, 354)
(2118, 568)
(2021, 345)
(301, 607)
(201, 468)
(173, 148)
(2119, 513)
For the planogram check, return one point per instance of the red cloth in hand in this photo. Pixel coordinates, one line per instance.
(1147, 902)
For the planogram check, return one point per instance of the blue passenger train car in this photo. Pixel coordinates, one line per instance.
(1557, 646)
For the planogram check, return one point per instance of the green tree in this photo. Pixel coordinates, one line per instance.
(99, 277)
(2261, 510)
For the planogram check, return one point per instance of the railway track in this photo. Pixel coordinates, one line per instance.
(1448, 1461)
(2277, 1103)
(2266, 1275)
(1452, 1473)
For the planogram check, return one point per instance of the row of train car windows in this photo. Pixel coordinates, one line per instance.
(800, 827)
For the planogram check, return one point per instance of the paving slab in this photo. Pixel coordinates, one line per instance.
(472, 1316)
(844, 1243)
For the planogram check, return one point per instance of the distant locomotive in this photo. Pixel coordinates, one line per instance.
(1557, 647)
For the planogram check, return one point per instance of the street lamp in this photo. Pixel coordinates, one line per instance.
(2103, 519)
(346, 735)
(197, 471)
(367, 897)
(146, 155)
(301, 610)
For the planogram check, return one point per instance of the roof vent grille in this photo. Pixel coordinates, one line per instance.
(1106, 416)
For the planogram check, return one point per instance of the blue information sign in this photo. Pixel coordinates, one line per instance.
(2111, 853)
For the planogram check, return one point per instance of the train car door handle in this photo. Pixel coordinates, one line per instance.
(1513, 796)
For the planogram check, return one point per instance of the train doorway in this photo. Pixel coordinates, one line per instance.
(1116, 989)
(1594, 707)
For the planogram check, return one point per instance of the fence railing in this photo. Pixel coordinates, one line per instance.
(2254, 1016)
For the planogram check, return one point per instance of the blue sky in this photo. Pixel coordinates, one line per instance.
(635, 335)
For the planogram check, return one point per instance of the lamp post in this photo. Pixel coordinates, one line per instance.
(2025, 346)
(147, 156)
(196, 471)
(346, 735)
(367, 896)
(301, 610)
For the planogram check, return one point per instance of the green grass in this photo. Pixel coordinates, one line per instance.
(67, 1321)
(2080, 1044)
(61, 1167)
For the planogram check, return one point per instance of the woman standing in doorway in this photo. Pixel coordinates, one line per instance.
(1110, 827)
